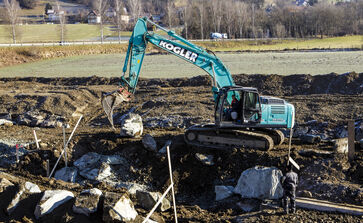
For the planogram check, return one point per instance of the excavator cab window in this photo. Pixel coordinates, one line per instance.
(251, 106)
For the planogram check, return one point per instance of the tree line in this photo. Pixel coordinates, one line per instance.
(238, 18)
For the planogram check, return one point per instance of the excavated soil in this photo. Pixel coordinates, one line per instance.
(330, 98)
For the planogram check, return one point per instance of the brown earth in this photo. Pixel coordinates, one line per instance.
(326, 98)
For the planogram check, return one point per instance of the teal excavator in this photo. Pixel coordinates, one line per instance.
(243, 118)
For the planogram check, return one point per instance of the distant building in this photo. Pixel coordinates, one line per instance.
(53, 16)
(93, 17)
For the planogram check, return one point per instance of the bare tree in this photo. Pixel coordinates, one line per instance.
(135, 8)
(62, 20)
(101, 6)
(229, 16)
(170, 9)
(12, 12)
(201, 6)
(184, 17)
(242, 17)
(118, 4)
(217, 14)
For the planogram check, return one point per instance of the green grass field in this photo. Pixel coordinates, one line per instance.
(51, 33)
(167, 66)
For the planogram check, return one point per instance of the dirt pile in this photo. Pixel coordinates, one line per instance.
(176, 100)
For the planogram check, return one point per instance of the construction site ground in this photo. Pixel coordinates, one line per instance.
(328, 98)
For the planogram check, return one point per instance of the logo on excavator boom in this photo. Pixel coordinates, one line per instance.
(179, 51)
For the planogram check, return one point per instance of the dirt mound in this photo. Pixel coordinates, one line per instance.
(299, 84)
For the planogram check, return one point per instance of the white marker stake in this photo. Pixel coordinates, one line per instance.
(70, 137)
(36, 139)
(172, 183)
(294, 163)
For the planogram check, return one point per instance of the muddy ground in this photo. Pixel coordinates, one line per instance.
(328, 98)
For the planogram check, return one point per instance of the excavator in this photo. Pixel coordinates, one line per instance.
(243, 117)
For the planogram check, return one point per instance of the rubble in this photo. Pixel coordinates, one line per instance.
(6, 122)
(118, 207)
(131, 126)
(175, 121)
(223, 192)
(148, 199)
(29, 188)
(149, 143)
(309, 138)
(98, 173)
(205, 159)
(68, 174)
(341, 145)
(87, 202)
(4, 184)
(51, 200)
(260, 183)
(38, 119)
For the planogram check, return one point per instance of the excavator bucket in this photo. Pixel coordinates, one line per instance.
(113, 99)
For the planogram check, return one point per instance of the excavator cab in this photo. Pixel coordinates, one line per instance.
(238, 106)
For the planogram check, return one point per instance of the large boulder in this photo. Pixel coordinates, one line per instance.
(118, 207)
(260, 183)
(87, 202)
(149, 143)
(148, 200)
(51, 200)
(67, 174)
(131, 126)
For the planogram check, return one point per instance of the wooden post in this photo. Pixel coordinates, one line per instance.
(47, 167)
(351, 137)
(64, 145)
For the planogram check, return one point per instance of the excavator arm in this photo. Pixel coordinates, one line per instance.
(175, 45)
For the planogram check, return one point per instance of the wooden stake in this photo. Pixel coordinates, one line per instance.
(47, 167)
(172, 183)
(64, 145)
(290, 138)
(351, 137)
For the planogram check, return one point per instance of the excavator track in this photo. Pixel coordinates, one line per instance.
(218, 138)
(276, 135)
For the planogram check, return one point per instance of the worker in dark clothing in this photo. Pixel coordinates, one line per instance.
(289, 184)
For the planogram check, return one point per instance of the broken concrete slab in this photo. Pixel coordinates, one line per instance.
(205, 159)
(51, 200)
(260, 182)
(223, 192)
(148, 200)
(320, 205)
(87, 202)
(117, 207)
(32, 188)
(5, 122)
(87, 160)
(4, 184)
(149, 143)
(113, 159)
(28, 188)
(341, 145)
(132, 126)
(67, 174)
(99, 173)
(310, 138)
